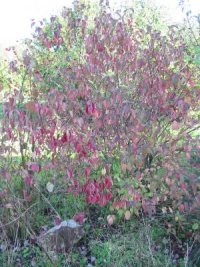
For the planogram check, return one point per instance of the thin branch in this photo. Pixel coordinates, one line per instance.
(20, 216)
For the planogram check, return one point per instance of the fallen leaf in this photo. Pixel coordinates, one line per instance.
(111, 219)
(127, 215)
(49, 187)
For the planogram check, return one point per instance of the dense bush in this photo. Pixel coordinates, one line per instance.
(109, 104)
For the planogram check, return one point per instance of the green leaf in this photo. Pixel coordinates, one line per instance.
(73, 156)
(149, 194)
(195, 226)
(120, 213)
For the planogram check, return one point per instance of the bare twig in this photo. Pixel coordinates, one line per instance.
(20, 216)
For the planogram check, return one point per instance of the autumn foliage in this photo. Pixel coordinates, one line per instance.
(111, 106)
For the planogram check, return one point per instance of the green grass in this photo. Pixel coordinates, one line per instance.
(138, 242)
(133, 244)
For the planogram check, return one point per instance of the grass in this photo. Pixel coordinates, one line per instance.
(136, 243)
(132, 244)
(131, 249)
(144, 241)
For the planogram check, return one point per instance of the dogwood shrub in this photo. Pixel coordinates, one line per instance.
(112, 106)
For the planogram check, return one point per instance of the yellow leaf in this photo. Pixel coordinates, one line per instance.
(127, 215)
(103, 172)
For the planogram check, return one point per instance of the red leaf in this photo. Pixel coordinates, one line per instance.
(31, 106)
(79, 217)
(108, 196)
(35, 167)
(64, 138)
(92, 199)
(69, 173)
(181, 207)
(87, 172)
(175, 125)
(58, 221)
(103, 201)
(108, 182)
(28, 180)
